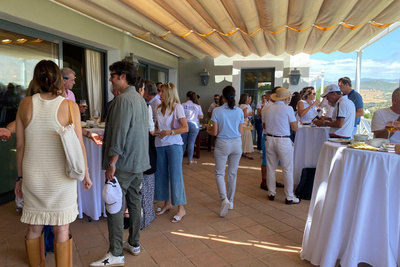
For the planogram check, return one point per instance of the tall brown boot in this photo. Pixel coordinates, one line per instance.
(263, 184)
(35, 251)
(63, 253)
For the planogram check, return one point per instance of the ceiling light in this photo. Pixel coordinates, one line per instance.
(6, 41)
(37, 41)
(21, 40)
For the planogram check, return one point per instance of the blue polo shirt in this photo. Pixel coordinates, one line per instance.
(358, 102)
(228, 121)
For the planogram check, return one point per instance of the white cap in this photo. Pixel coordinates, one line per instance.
(331, 88)
(112, 196)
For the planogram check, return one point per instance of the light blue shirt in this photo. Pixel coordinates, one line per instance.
(228, 121)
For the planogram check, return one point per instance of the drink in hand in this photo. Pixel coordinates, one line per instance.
(389, 128)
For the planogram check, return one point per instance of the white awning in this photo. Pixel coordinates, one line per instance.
(199, 28)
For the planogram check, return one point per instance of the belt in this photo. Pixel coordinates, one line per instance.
(286, 136)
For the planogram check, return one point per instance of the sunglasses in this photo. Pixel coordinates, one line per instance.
(112, 74)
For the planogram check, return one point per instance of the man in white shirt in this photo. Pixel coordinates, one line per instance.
(151, 96)
(213, 105)
(383, 116)
(343, 117)
(279, 119)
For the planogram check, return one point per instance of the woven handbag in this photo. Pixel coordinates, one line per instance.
(72, 147)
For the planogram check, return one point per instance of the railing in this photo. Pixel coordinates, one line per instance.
(365, 127)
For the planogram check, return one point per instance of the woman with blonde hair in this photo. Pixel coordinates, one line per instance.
(50, 196)
(307, 107)
(170, 124)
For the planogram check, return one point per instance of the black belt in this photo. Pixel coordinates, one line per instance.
(286, 136)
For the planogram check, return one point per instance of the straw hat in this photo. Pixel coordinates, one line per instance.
(281, 93)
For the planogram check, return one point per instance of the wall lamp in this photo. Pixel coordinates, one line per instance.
(131, 58)
(294, 77)
(205, 77)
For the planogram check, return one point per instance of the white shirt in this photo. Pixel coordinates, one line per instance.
(277, 118)
(311, 114)
(151, 122)
(165, 123)
(192, 111)
(154, 103)
(344, 108)
(212, 106)
(379, 120)
(328, 108)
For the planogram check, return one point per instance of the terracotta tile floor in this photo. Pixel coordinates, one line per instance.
(258, 232)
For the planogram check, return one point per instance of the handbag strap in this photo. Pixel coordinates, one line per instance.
(71, 113)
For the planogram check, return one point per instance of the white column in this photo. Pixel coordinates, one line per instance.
(358, 70)
(322, 81)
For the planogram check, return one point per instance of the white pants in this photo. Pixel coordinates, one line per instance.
(227, 150)
(279, 149)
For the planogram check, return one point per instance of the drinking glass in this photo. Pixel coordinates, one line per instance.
(96, 115)
(389, 127)
(83, 105)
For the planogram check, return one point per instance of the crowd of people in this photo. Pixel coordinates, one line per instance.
(147, 133)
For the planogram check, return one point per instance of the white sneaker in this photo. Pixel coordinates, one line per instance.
(133, 250)
(224, 207)
(231, 206)
(109, 260)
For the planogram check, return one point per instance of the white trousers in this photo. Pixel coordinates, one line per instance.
(227, 150)
(279, 149)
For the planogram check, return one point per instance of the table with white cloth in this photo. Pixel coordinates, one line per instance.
(354, 213)
(90, 201)
(307, 146)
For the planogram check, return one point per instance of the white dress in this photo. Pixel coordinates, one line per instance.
(247, 137)
(50, 196)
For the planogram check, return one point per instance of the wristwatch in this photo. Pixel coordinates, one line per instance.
(111, 165)
(19, 178)
(172, 132)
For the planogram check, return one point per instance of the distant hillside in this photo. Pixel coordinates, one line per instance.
(379, 85)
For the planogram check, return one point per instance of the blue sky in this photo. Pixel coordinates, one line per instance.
(381, 60)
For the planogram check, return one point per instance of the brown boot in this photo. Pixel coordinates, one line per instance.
(63, 253)
(263, 184)
(35, 251)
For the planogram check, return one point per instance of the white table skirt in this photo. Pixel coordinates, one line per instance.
(307, 146)
(354, 212)
(90, 201)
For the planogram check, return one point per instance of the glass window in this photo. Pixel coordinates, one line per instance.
(19, 55)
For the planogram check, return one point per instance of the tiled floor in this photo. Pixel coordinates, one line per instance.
(258, 232)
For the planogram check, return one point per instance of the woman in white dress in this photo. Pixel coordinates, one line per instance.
(307, 107)
(247, 138)
(50, 196)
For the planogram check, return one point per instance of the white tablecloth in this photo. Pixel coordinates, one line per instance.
(307, 146)
(90, 201)
(354, 212)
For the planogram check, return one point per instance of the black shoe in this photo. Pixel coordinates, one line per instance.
(294, 201)
(279, 185)
(263, 186)
(271, 197)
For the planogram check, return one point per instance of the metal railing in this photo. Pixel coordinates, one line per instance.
(365, 127)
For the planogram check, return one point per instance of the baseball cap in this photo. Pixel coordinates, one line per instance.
(112, 196)
(331, 88)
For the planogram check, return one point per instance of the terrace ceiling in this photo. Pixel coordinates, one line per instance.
(200, 28)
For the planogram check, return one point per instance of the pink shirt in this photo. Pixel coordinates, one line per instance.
(70, 95)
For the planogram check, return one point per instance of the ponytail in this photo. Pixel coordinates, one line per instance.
(229, 95)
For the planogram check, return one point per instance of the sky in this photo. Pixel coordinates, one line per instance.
(381, 60)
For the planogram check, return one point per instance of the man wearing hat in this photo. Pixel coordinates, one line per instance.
(343, 117)
(278, 120)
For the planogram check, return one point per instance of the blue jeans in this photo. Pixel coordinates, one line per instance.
(189, 139)
(169, 175)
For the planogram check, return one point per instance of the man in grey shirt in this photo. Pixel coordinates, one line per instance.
(125, 156)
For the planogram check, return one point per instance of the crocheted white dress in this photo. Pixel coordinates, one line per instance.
(50, 196)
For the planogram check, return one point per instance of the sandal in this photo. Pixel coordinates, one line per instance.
(159, 211)
(247, 156)
(177, 218)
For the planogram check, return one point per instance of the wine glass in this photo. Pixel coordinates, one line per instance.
(389, 127)
(96, 115)
(83, 105)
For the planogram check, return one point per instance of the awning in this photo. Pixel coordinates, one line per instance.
(199, 28)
